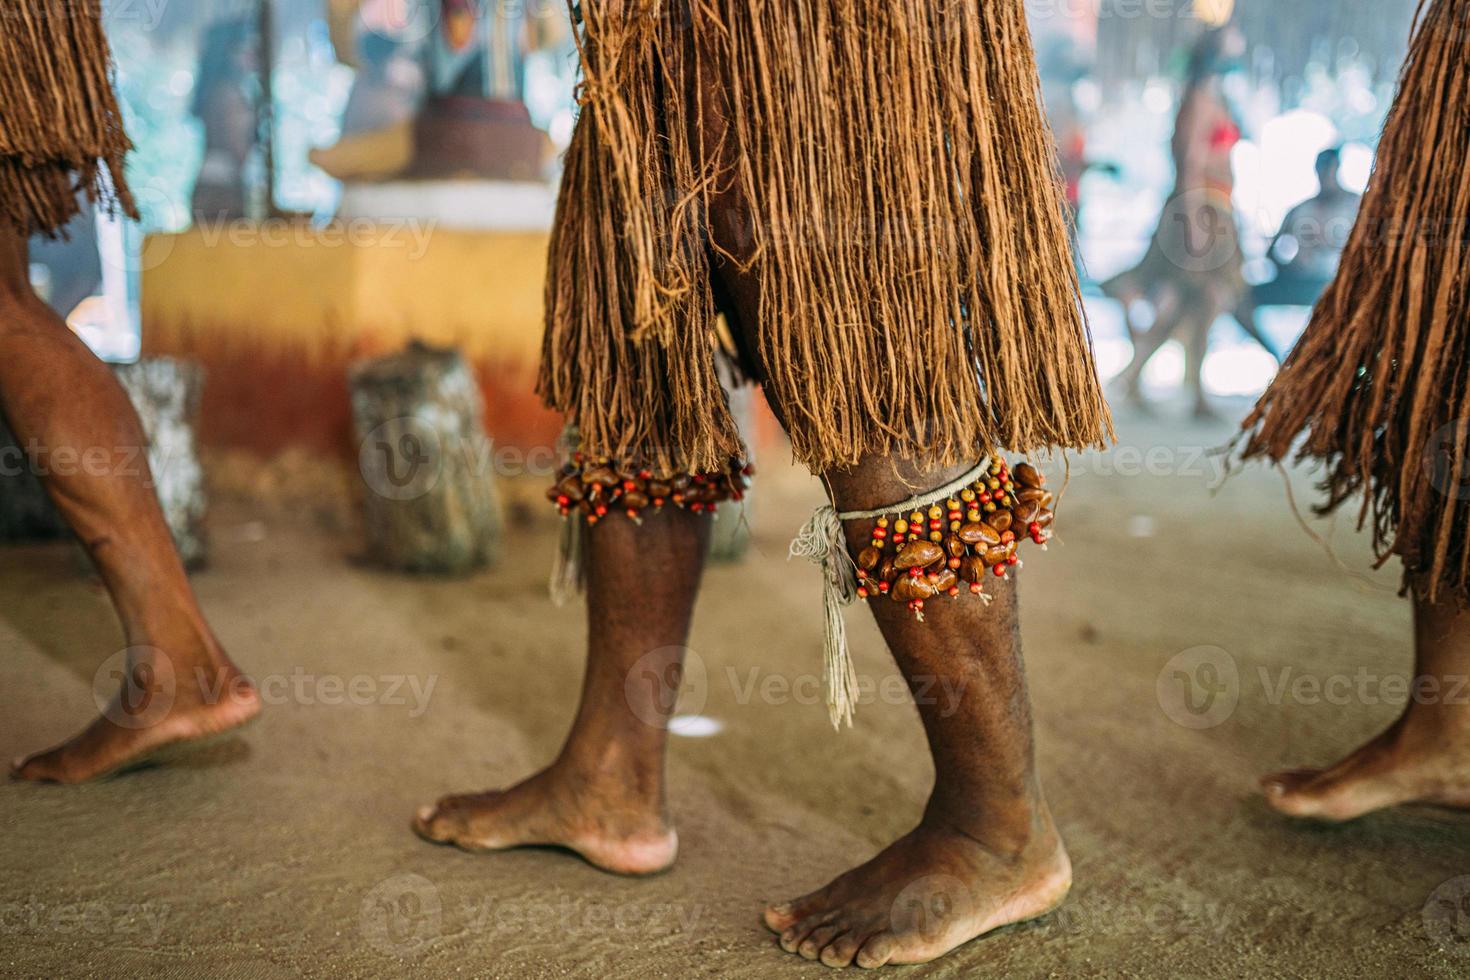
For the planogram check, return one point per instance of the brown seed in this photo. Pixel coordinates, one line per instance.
(1026, 511)
(635, 500)
(999, 519)
(1028, 475)
(886, 571)
(972, 569)
(944, 581)
(1043, 517)
(979, 534)
(571, 488)
(954, 546)
(659, 488)
(1042, 497)
(911, 587)
(868, 558)
(997, 554)
(918, 554)
(602, 476)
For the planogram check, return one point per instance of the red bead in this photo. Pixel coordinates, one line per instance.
(954, 590)
(658, 501)
(1034, 528)
(954, 563)
(999, 570)
(1007, 537)
(883, 587)
(1012, 560)
(975, 588)
(862, 591)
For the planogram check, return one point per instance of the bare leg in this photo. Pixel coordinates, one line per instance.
(603, 797)
(986, 852)
(1146, 344)
(1196, 346)
(1424, 757)
(65, 405)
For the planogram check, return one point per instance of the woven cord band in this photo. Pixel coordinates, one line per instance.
(820, 542)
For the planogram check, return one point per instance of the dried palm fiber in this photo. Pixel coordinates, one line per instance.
(1380, 381)
(905, 222)
(59, 121)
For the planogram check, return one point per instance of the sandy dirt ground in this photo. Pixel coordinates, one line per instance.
(1178, 643)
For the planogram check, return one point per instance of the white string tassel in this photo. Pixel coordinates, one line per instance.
(820, 542)
(566, 568)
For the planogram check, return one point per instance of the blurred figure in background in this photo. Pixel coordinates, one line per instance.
(1192, 271)
(225, 104)
(1313, 233)
(388, 88)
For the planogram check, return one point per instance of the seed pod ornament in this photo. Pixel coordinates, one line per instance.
(593, 488)
(949, 548)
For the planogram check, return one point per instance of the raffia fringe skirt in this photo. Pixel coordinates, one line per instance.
(1378, 388)
(904, 218)
(61, 133)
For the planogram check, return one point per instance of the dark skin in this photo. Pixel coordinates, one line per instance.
(1423, 757)
(109, 502)
(986, 852)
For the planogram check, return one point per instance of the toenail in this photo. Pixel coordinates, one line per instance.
(426, 813)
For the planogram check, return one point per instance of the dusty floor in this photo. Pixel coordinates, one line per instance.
(286, 852)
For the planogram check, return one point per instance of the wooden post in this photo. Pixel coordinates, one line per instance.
(165, 392)
(430, 503)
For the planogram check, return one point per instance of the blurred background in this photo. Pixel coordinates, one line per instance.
(389, 168)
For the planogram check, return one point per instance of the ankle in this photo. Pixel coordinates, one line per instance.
(1011, 828)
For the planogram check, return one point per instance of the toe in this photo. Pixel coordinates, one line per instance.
(811, 947)
(794, 936)
(841, 950)
(876, 952)
(1277, 784)
(436, 823)
(779, 918)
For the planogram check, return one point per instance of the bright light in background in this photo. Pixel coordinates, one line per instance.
(694, 726)
(1278, 172)
(1357, 166)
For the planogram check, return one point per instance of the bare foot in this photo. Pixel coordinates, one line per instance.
(595, 816)
(1400, 766)
(927, 893)
(156, 709)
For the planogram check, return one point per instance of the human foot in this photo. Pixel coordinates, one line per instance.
(928, 892)
(157, 709)
(1402, 765)
(596, 817)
